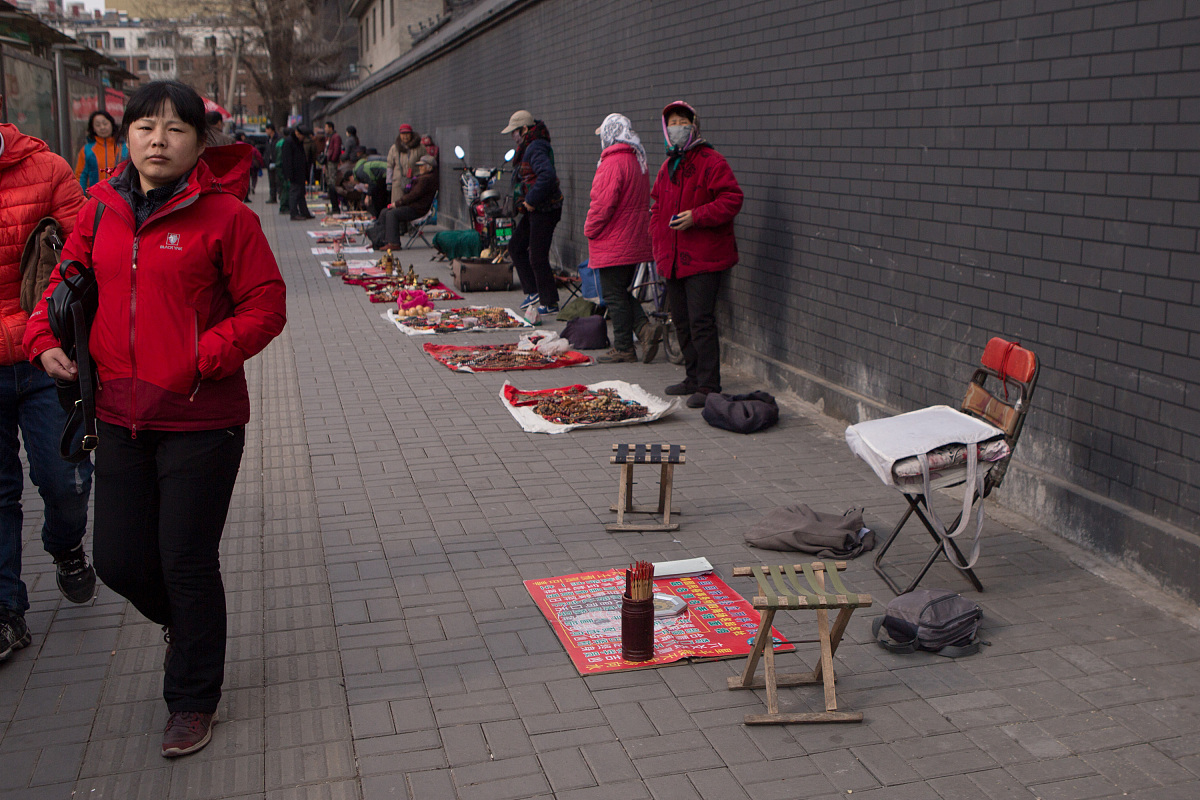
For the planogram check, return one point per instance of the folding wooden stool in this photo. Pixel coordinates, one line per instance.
(779, 587)
(668, 455)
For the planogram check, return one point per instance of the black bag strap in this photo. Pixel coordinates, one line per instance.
(71, 447)
(949, 651)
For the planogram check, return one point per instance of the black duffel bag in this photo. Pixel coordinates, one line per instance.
(741, 413)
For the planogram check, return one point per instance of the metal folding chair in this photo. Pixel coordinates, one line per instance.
(1013, 371)
(418, 225)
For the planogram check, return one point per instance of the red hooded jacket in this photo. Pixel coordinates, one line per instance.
(703, 183)
(34, 183)
(618, 216)
(184, 300)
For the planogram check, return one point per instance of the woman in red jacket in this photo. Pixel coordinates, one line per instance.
(618, 232)
(189, 290)
(696, 198)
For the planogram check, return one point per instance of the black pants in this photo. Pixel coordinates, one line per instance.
(161, 502)
(395, 223)
(693, 305)
(273, 185)
(296, 202)
(529, 249)
(624, 310)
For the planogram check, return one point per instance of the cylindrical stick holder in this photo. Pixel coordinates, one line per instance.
(637, 629)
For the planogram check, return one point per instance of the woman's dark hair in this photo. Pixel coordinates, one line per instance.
(151, 97)
(91, 132)
(353, 131)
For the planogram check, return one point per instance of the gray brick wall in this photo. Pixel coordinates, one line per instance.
(919, 176)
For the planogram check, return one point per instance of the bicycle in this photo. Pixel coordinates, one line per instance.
(648, 287)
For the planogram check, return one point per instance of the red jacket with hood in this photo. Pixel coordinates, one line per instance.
(34, 183)
(704, 184)
(618, 216)
(184, 300)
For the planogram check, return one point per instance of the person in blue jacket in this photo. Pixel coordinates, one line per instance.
(539, 202)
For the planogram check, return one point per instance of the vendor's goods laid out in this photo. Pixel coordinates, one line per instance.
(334, 249)
(345, 218)
(384, 288)
(697, 617)
(335, 237)
(455, 320)
(599, 405)
(500, 357)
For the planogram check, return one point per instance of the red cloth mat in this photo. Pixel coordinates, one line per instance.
(585, 612)
(468, 358)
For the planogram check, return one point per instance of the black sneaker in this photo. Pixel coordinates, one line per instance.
(680, 388)
(14, 634)
(698, 399)
(76, 577)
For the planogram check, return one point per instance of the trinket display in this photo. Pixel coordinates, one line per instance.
(599, 405)
(455, 320)
(387, 263)
(499, 358)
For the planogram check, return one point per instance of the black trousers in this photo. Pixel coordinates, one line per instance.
(296, 202)
(693, 305)
(529, 249)
(273, 185)
(395, 223)
(161, 502)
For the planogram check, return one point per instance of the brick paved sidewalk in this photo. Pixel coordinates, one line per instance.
(382, 644)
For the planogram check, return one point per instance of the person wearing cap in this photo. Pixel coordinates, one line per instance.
(696, 198)
(618, 232)
(413, 204)
(539, 202)
(402, 160)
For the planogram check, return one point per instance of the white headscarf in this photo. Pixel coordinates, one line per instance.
(617, 128)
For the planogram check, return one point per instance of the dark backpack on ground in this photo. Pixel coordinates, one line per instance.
(587, 333)
(937, 620)
(741, 413)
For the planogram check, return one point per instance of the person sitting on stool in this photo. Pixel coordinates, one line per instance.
(414, 203)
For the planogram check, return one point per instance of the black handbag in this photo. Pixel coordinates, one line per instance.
(70, 309)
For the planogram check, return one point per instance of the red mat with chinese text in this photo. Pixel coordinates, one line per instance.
(585, 612)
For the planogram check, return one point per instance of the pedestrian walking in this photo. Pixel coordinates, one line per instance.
(272, 164)
(331, 157)
(171, 418)
(295, 171)
(537, 195)
(618, 232)
(101, 153)
(34, 183)
(696, 198)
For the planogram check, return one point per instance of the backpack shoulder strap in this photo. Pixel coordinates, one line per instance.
(96, 219)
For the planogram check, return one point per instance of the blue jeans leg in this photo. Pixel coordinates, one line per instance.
(64, 487)
(29, 403)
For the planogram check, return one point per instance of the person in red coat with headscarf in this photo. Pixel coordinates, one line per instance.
(696, 198)
(618, 232)
(34, 183)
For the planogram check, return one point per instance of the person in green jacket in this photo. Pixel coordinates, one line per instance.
(280, 178)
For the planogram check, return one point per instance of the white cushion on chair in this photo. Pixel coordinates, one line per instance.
(883, 442)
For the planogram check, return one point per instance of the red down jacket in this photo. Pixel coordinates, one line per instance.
(704, 184)
(184, 300)
(618, 217)
(34, 183)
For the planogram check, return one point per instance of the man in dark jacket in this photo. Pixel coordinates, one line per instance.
(272, 179)
(332, 157)
(413, 204)
(295, 171)
(536, 192)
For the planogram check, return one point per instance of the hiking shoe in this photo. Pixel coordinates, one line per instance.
(14, 633)
(76, 577)
(698, 399)
(186, 732)
(529, 301)
(615, 356)
(650, 334)
(544, 310)
(680, 388)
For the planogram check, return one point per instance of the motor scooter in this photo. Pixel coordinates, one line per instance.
(485, 203)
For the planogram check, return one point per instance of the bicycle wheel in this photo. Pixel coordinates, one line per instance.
(670, 343)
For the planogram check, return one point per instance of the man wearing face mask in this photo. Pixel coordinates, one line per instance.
(695, 199)
(539, 201)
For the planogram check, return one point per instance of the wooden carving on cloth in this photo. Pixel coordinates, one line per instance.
(499, 357)
(598, 405)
